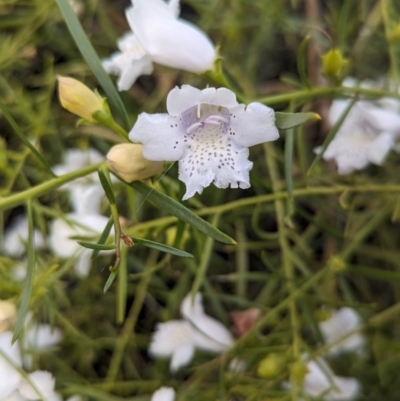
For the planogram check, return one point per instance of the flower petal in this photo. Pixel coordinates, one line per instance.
(41, 336)
(10, 377)
(163, 394)
(379, 148)
(44, 382)
(384, 120)
(160, 137)
(182, 99)
(342, 321)
(253, 124)
(182, 356)
(170, 42)
(169, 336)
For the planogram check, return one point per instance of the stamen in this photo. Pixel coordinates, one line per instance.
(211, 119)
(193, 127)
(198, 110)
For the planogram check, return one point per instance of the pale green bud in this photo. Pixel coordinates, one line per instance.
(333, 64)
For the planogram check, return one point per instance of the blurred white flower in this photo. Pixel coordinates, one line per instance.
(10, 378)
(160, 37)
(209, 133)
(78, 225)
(163, 394)
(179, 339)
(366, 136)
(44, 383)
(341, 322)
(16, 237)
(321, 381)
(75, 159)
(8, 315)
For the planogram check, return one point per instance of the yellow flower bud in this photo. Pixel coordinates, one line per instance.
(8, 315)
(333, 64)
(79, 99)
(127, 161)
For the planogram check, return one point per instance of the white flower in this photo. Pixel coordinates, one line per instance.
(209, 132)
(16, 237)
(341, 322)
(44, 382)
(80, 225)
(75, 159)
(367, 134)
(158, 36)
(163, 394)
(321, 381)
(179, 339)
(10, 378)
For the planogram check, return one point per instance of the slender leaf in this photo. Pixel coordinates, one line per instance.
(291, 120)
(107, 187)
(103, 237)
(161, 247)
(91, 57)
(30, 275)
(110, 280)
(302, 62)
(99, 247)
(24, 139)
(181, 212)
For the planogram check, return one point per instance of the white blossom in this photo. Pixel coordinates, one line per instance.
(158, 36)
(163, 394)
(42, 381)
(62, 245)
(10, 378)
(367, 134)
(179, 339)
(321, 381)
(342, 322)
(16, 237)
(209, 133)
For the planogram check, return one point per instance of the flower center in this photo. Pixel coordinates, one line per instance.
(213, 119)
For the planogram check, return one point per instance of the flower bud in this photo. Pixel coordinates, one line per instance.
(270, 366)
(79, 99)
(127, 161)
(336, 264)
(298, 372)
(8, 315)
(333, 64)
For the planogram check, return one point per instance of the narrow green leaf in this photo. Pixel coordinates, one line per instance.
(91, 57)
(107, 187)
(30, 275)
(161, 247)
(331, 135)
(99, 247)
(24, 139)
(103, 237)
(110, 280)
(181, 212)
(291, 120)
(302, 62)
(289, 145)
(201, 271)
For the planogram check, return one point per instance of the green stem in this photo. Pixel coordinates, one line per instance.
(41, 189)
(118, 129)
(325, 91)
(285, 255)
